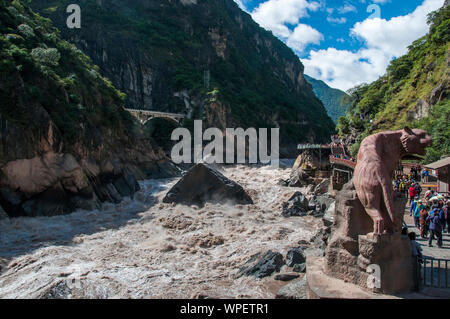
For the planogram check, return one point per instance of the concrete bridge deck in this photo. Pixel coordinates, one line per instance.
(347, 163)
(146, 115)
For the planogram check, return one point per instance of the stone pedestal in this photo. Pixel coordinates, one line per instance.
(390, 254)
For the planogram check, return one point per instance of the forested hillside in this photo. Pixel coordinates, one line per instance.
(334, 100)
(65, 140)
(414, 91)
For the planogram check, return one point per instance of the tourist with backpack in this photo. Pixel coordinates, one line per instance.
(416, 212)
(418, 189)
(435, 227)
(412, 193)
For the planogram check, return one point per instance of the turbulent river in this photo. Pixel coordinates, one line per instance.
(143, 248)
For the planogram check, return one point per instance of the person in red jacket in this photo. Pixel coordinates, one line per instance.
(412, 193)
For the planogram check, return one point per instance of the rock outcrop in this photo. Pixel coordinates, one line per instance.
(293, 290)
(295, 256)
(202, 184)
(309, 169)
(297, 205)
(269, 263)
(66, 142)
(301, 205)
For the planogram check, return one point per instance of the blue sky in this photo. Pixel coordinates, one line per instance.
(344, 43)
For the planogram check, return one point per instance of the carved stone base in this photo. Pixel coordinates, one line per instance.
(383, 263)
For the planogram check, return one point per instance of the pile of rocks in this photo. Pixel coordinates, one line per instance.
(264, 265)
(302, 205)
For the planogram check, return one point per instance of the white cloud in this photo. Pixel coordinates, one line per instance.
(395, 35)
(344, 69)
(384, 40)
(273, 15)
(347, 8)
(277, 15)
(302, 36)
(337, 20)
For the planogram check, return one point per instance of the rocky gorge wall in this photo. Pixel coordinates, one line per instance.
(173, 55)
(65, 140)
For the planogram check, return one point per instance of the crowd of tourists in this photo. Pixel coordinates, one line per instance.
(431, 216)
(407, 186)
(430, 211)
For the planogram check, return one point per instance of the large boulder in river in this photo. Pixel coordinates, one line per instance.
(202, 184)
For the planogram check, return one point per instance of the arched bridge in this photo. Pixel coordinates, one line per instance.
(146, 115)
(344, 162)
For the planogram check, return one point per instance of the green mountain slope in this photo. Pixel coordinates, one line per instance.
(66, 141)
(167, 55)
(334, 100)
(414, 92)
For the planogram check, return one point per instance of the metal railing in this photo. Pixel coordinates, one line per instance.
(435, 272)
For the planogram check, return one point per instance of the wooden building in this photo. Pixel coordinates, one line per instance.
(442, 168)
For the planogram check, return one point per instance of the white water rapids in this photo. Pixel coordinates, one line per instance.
(142, 248)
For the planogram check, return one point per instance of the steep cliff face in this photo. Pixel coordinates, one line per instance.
(334, 100)
(65, 140)
(414, 91)
(168, 55)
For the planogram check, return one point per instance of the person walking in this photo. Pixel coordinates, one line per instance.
(435, 227)
(446, 210)
(412, 207)
(412, 193)
(425, 175)
(416, 252)
(424, 223)
(418, 189)
(416, 212)
(442, 215)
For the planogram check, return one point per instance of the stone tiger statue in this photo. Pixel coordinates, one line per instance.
(378, 157)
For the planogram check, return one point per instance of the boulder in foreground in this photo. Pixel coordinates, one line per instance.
(202, 184)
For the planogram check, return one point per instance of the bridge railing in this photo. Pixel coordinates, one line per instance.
(342, 161)
(157, 113)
